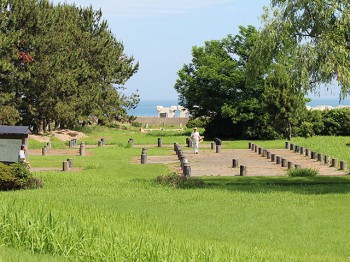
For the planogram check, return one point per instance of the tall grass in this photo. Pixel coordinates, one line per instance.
(115, 211)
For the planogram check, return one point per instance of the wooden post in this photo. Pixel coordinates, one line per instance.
(291, 147)
(253, 147)
(143, 158)
(159, 142)
(131, 141)
(273, 157)
(278, 160)
(287, 144)
(218, 148)
(44, 151)
(319, 157)
(302, 150)
(48, 145)
(65, 166)
(212, 145)
(343, 165)
(187, 170)
(268, 154)
(313, 155)
(70, 144)
(334, 163)
(256, 149)
(290, 165)
(99, 143)
(327, 159)
(82, 149)
(307, 152)
(297, 149)
(175, 146)
(249, 145)
(242, 170)
(104, 141)
(234, 163)
(70, 162)
(284, 162)
(263, 154)
(260, 150)
(144, 151)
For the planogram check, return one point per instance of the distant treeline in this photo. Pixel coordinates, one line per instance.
(60, 65)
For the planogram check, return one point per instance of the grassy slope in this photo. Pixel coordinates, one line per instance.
(113, 210)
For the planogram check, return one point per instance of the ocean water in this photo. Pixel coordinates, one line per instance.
(148, 107)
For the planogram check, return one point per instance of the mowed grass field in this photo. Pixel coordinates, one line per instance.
(112, 209)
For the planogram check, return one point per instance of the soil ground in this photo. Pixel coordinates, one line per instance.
(210, 163)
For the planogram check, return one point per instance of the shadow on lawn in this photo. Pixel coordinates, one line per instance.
(299, 185)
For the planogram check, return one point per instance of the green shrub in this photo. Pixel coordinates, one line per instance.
(177, 181)
(17, 176)
(197, 122)
(302, 172)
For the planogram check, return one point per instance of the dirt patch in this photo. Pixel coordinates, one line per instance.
(210, 163)
(63, 135)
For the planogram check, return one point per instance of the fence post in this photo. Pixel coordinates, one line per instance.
(242, 170)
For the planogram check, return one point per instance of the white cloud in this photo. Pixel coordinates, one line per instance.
(136, 8)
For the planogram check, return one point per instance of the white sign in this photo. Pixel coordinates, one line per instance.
(9, 149)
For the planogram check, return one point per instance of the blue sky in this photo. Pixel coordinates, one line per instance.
(160, 35)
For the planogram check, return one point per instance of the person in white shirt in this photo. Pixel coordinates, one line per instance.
(22, 154)
(195, 137)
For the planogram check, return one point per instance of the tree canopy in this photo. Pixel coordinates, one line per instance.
(61, 64)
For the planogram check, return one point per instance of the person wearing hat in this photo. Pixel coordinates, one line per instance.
(195, 137)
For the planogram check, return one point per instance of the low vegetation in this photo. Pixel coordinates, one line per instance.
(113, 210)
(302, 172)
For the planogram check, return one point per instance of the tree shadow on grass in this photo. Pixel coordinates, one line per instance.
(298, 185)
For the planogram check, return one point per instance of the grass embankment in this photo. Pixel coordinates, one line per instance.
(114, 211)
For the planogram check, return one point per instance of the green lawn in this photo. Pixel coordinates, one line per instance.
(114, 211)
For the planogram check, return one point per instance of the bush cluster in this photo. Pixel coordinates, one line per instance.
(177, 181)
(17, 176)
(334, 122)
(302, 172)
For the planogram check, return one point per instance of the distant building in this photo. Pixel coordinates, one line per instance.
(170, 112)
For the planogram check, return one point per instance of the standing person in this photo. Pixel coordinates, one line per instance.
(22, 154)
(195, 137)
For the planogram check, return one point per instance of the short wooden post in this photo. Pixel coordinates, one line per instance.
(187, 170)
(44, 151)
(253, 147)
(249, 145)
(234, 163)
(144, 151)
(302, 150)
(327, 159)
(260, 151)
(212, 145)
(143, 158)
(218, 148)
(48, 145)
(319, 157)
(159, 142)
(278, 160)
(297, 149)
(70, 143)
(82, 149)
(131, 141)
(263, 154)
(65, 166)
(104, 141)
(256, 149)
(273, 157)
(70, 162)
(284, 162)
(343, 165)
(334, 162)
(175, 146)
(307, 152)
(242, 170)
(290, 165)
(268, 154)
(99, 143)
(291, 147)
(287, 145)
(313, 155)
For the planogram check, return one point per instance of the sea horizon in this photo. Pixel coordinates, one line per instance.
(147, 107)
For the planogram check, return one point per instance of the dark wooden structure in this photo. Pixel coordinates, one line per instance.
(11, 140)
